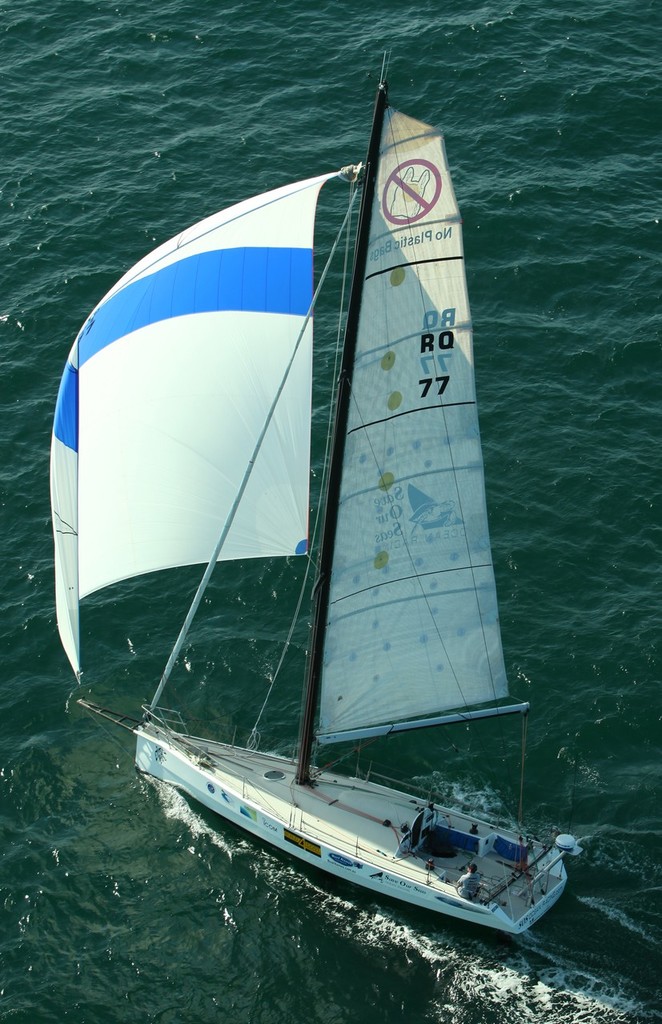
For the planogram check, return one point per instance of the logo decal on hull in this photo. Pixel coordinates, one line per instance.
(344, 862)
(303, 844)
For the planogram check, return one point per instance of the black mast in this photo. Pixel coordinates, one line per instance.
(338, 447)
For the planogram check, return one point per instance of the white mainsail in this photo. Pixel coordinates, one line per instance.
(412, 626)
(166, 390)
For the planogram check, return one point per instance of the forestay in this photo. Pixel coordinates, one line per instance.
(412, 626)
(166, 390)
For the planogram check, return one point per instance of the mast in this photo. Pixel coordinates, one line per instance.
(337, 451)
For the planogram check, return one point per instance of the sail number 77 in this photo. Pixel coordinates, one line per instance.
(427, 383)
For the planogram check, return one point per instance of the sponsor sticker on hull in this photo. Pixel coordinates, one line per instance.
(303, 844)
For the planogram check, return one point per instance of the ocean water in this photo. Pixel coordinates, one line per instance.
(123, 123)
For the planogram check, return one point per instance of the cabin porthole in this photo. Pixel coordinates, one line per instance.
(274, 775)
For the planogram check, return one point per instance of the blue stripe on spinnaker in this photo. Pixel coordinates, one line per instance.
(256, 280)
(65, 426)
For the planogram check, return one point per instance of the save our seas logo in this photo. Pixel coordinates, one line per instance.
(425, 512)
(428, 513)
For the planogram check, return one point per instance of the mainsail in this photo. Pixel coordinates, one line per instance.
(412, 624)
(167, 388)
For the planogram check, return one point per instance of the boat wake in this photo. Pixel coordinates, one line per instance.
(538, 983)
(553, 990)
(621, 918)
(176, 807)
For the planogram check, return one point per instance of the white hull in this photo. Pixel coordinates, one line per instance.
(352, 829)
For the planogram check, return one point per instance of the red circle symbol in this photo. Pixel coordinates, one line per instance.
(411, 192)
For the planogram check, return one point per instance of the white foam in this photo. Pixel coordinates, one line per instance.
(555, 992)
(175, 806)
(538, 985)
(621, 918)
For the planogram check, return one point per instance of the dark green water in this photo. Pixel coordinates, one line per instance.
(119, 125)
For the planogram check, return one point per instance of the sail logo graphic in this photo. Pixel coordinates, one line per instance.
(430, 514)
(411, 192)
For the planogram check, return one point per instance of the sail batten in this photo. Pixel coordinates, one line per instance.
(407, 412)
(414, 263)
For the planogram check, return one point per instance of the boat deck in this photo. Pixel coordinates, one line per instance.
(369, 822)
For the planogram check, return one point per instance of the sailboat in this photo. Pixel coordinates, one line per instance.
(182, 436)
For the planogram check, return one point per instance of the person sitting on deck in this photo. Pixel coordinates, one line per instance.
(469, 883)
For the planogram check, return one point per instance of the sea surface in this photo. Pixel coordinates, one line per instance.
(122, 123)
